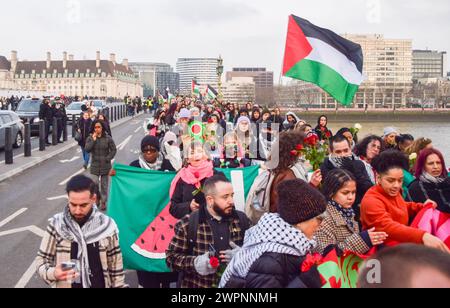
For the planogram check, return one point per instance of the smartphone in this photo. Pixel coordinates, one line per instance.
(67, 266)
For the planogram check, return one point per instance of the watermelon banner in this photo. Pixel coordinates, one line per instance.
(340, 272)
(139, 199)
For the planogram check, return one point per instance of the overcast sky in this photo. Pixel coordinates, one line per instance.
(244, 32)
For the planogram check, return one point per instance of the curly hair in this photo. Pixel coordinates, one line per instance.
(287, 143)
(390, 159)
(361, 147)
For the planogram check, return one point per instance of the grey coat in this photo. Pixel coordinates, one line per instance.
(103, 151)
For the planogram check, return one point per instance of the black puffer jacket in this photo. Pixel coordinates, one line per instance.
(440, 193)
(272, 270)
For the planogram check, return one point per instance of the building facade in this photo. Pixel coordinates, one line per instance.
(70, 77)
(156, 77)
(428, 64)
(239, 90)
(203, 70)
(263, 79)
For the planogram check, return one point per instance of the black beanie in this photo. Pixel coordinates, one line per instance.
(150, 141)
(299, 202)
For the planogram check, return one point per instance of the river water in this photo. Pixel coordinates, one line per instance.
(438, 132)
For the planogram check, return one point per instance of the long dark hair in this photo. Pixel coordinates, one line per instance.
(318, 121)
(334, 181)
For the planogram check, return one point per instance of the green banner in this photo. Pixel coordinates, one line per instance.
(138, 196)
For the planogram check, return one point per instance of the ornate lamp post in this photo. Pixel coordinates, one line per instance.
(219, 75)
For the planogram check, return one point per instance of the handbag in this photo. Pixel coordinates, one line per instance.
(77, 136)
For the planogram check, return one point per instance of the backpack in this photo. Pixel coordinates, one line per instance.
(258, 199)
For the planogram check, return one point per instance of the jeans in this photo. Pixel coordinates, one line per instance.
(86, 156)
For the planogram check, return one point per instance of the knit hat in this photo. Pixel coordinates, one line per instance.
(184, 113)
(389, 130)
(242, 119)
(299, 202)
(150, 141)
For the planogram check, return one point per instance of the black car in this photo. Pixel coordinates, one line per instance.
(28, 112)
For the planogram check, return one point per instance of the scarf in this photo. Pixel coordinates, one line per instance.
(148, 166)
(271, 234)
(347, 214)
(338, 162)
(96, 228)
(194, 175)
(428, 178)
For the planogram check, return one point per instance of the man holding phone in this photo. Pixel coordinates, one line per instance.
(80, 248)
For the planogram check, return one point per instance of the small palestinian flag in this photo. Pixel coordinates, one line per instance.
(324, 58)
(197, 130)
(195, 88)
(212, 93)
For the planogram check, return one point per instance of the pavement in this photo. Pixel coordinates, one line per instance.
(33, 195)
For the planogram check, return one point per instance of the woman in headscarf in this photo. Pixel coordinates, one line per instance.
(322, 130)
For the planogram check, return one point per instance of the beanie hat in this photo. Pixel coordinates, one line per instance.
(242, 119)
(389, 130)
(184, 113)
(299, 202)
(150, 141)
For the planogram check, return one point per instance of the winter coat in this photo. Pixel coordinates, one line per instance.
(85, 127)
(102, 152)
(440, 193)
(358, 169)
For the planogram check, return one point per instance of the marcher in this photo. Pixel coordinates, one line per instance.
(340, 229)
(84, 126)
(215, 230)
(276, 247)
(102, 148)
(384, 208)
(83, 234)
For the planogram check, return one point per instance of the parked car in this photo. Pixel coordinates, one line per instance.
(28, 112)
(100, 105)
(74, 109)
(11, 119)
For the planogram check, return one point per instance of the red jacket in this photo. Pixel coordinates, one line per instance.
(391, 215)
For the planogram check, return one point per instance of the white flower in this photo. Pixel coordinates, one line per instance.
(413, 156)
(358, 126)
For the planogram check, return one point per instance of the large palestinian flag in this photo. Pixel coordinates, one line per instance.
(324, 58)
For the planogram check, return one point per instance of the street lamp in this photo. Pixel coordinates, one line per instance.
(219, 74)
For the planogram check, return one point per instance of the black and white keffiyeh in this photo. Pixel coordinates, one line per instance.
(148, 166)
(97, 227)
(271, 234)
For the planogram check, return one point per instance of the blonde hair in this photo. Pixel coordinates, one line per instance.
(418, 145)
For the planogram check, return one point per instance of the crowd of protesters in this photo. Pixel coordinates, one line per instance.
(361, 198)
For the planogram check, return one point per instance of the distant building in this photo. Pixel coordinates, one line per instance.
(428, 64)
(156, 77)
(239, 90)
(262, 78)
(96, 78)
(203, 70)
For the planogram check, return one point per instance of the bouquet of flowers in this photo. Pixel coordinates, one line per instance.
(412, 161)
(312, 150)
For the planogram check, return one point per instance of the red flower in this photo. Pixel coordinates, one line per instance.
(299, 147)
(294, 153)
(310, 261)
(214, 262)
(312, 140)
(197, 174)
(328, 134)
(210, 121)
